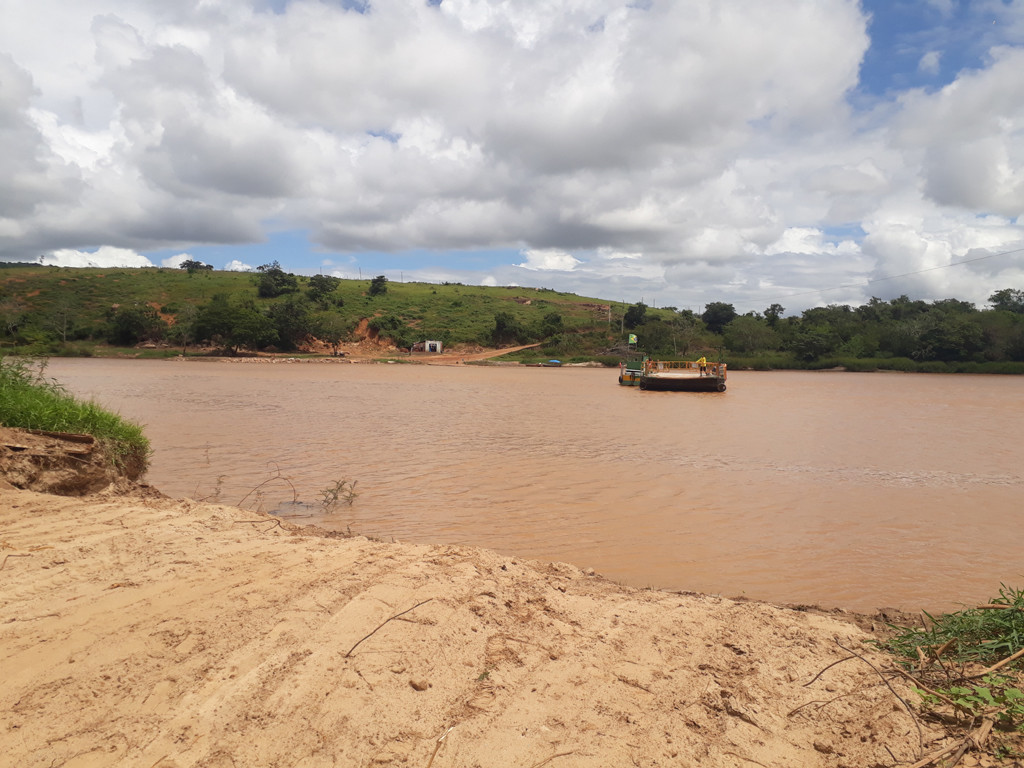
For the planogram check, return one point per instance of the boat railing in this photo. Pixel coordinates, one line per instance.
(684, 366)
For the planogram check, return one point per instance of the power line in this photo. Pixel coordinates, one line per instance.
(905, 274)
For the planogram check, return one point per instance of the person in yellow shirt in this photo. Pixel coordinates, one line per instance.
(703, 363)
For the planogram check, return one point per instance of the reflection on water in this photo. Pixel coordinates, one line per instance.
(856, 490)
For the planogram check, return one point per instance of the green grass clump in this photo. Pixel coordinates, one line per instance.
(966, 666)
(29, 400)
(979, 635)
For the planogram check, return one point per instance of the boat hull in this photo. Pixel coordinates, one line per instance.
(630, 373)
(630, 378)
(664, 383)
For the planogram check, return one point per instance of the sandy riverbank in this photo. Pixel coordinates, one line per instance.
(138, 630)
(144, 631)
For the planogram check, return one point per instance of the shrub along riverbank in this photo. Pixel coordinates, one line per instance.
(29, 400)
(869, 364)
(966, 668)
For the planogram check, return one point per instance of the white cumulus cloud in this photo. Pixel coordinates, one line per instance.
(549, 259)
(727, 146)
(175, 261)
(105, 256)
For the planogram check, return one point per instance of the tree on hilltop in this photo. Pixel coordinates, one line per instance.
(192, 266)
(274, 281)
(322, 291)
(378, 286)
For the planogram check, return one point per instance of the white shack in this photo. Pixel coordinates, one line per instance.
(428, 346)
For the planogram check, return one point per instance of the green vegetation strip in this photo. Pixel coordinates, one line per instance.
(967, 665)
(161, 312)
(29, 400)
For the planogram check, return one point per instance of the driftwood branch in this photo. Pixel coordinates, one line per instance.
(826, 669)
(999, 664)
(278, 476)
(975, 739)
(925, 688)
(385, 622)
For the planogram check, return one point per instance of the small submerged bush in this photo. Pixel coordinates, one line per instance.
(342, 492)
(30, 400)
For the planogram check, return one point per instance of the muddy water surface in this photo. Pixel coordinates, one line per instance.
(840, 489)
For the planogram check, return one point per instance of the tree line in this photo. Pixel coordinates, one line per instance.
(947, 331)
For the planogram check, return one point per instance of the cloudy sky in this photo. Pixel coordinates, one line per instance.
(800, 152)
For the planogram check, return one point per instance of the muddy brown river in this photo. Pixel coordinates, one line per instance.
(838, 489)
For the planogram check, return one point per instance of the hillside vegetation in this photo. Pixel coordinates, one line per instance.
(196, 310)
(97, 311)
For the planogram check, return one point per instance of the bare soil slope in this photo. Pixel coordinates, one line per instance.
(56, 462)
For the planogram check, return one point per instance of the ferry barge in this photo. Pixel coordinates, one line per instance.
(674, 375)
(683, 376)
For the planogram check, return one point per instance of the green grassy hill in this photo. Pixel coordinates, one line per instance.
(60, 310)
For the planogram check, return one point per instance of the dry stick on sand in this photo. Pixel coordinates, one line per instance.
(925, 688)
(277, 522)
(825, 702)
(385, 622)
(439, 741)
(910, 711)
(548, 760)
(2, 564)
(998, 665)
(976, 739)
(826, 669)
(944, 647)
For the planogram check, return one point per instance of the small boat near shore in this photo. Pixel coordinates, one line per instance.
(674, 375)
(630, 372)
